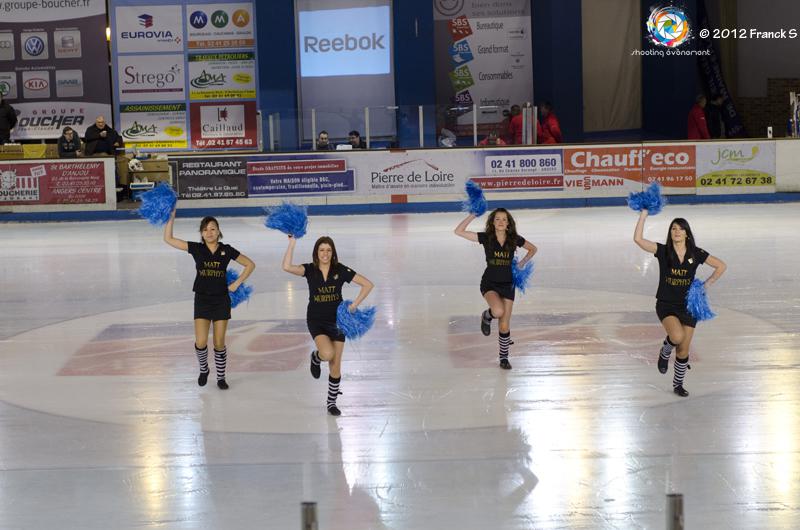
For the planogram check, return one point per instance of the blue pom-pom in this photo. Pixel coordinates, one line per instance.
(521, 276)
(242, 294)
(288, 218)
(649, 199)
(158, 203)
(475, 203)
(697, 302)
(354, 325)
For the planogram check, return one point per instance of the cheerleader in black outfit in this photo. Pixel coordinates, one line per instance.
(678, 261)
(325, 277)
(212, 303)
(500, 241)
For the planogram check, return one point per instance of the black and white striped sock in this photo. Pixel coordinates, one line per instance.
(487, 316)
(680, 372)
(504, 339)
(666, 348)
(221, 359)
(315, 357)
(202, 358)
(333, 390)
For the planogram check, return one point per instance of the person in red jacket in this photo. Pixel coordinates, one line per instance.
(514, 131)
(550, 128)
(697, 128)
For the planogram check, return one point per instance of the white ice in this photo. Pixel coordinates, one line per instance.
(102, 424)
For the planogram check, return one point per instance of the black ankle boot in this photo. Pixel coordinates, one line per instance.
(316, 368)
(486, 323)
(663, 364)
(682, 392)
(203, 379)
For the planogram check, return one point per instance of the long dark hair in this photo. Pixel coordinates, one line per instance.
(690, 244)
(511, 230)
(334, 257)
(204, 224)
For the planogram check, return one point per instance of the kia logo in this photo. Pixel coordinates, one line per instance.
(34, 46)
(36, 83)
(198, 20)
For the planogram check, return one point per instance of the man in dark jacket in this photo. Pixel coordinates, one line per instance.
(101, 139)
(714, 116)
(69, 145)
(8, 120)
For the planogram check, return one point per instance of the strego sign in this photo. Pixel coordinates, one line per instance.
(143, 79)
(628, 168)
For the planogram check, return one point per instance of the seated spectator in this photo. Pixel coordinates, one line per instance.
(101, 139)
(69, 145)
(354, 139)
(323, 142)
(551, 128)
(492, 139)
(447, 138)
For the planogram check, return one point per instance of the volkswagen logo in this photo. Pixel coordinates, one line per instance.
(34, 46)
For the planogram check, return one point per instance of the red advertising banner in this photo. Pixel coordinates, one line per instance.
(52, 183)
(673, 166)
(224, 125)
(625, 169)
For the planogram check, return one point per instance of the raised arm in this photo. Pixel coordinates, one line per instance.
(638, 235)
(531, 248)
(366, 287)
(719, 269)
(249, 267)
(180, 244)
(297, 270)
(461, 229)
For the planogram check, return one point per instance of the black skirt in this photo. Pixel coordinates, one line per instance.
(212, 306)
(679, 311)
(328, 329)
(505, 290)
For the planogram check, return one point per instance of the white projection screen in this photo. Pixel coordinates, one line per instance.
(345, 62)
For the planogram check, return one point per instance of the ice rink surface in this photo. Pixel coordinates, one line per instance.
(103, 426)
